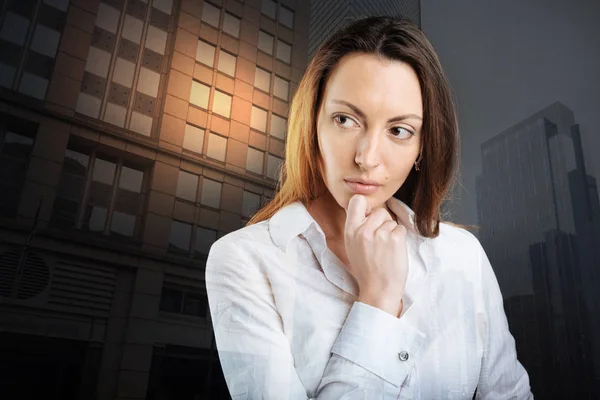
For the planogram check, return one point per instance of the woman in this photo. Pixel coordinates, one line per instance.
(347, 285)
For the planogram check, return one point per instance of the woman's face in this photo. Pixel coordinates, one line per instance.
(369, 127)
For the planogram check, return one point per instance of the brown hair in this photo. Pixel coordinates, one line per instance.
(390, 38)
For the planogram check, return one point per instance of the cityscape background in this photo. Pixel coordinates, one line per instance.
(134, 133)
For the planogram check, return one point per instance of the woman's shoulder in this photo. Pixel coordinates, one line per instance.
(457, 237)
(247, 238)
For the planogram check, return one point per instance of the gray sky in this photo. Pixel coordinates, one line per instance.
(507, 59)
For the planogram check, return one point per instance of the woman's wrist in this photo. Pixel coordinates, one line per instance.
(392, 305)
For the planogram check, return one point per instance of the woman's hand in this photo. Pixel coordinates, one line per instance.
(376, 249)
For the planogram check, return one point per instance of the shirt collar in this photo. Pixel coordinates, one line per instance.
(294, 219)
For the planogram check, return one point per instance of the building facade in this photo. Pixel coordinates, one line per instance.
(538, 212)
(133, 134)
(328, 16)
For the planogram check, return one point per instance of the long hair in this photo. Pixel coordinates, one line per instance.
(301, 177)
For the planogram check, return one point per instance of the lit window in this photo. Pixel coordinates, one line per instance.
(262, 79)
(265, 42)
(199, 94)
(148, 82)
(269, 8)
(258, 119)
(284, 51)
(231, 25)
(254, 161)
(193, 139)
(226, 63)
(205, 53)
(211, 14)
(187, 186)
(217, 146)
(211, 193)
(281, 88)
(140, 123)
(222, 104)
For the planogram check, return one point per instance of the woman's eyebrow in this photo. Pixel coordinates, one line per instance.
(363, 116)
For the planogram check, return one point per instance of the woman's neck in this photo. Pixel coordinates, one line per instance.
(330, 216)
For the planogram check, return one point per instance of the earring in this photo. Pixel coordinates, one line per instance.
(417, 163)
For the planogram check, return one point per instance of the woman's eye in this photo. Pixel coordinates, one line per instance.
(397, 131)
(344, 121)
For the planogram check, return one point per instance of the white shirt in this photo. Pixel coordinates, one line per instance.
(288, 325)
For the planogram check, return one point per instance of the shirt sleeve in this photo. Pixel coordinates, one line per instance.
(370, 359)
(502, 376)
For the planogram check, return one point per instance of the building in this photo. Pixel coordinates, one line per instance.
(328, 16)
(133, 134)
(538, 212)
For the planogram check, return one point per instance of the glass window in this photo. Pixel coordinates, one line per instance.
(211, 193)
(204, 240)
(262, 79)
(123, 224)
(284, 51)
(278, 125)
(222, 104)
(254, 161)
(115, 114)
(181, 234)
(226, 63)
(95, 219)
(14, 28)
(123, 73)
(45, 41)
(231, 25)
(132, 29)
(258, 119)
(171, 300)
(282, 88)
(88, 105)
(7, 74)
(286, 17)
(107, 17)
(211, 14)
(195, 304)
(269, 8)
(104, 172)
(131, 179)
(156, 39)
(33, 85)
(59, 4)
(217, 147)
(187, 186)
(199, 94)
(265, 42)
(273, 166)
(97, 62)
(193, 139)
(140, 123)
(148, 82)
(251, 203)
(163, 5)
(205, 53)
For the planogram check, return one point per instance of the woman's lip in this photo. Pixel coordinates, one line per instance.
(361, 188)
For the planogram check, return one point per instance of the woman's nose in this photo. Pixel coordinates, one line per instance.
(368, 154)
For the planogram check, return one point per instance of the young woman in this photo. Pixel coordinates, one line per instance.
(348, 285)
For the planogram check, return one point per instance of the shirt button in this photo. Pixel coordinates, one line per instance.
(403, 356)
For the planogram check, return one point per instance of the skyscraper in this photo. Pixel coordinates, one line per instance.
(537, 210)
(328, 16)
(133, 134)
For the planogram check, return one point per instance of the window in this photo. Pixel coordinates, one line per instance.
(226, 63)
(281, 88)
(16, 143)
(199, 94)
(284, 51)
(211, 14)
(251, 203)
(204, 240)
(148, 82)
(132, 29)
(258, 119)
(269, 8)
(205, 53)
(124, 70)
(97, 62)
(156, 40)
(254, 161)
(231, 25)
(179, 239)
(262, 79)
(193, 139)
(184, 301)
(273, 166)
(286, 17)
(211, 193)
(140, 123)
(278, 125)
(217, 147)
(222, 104)
(113, 203)
(265, 42)
(187, 186)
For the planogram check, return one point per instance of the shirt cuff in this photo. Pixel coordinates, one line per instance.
(379, 342)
